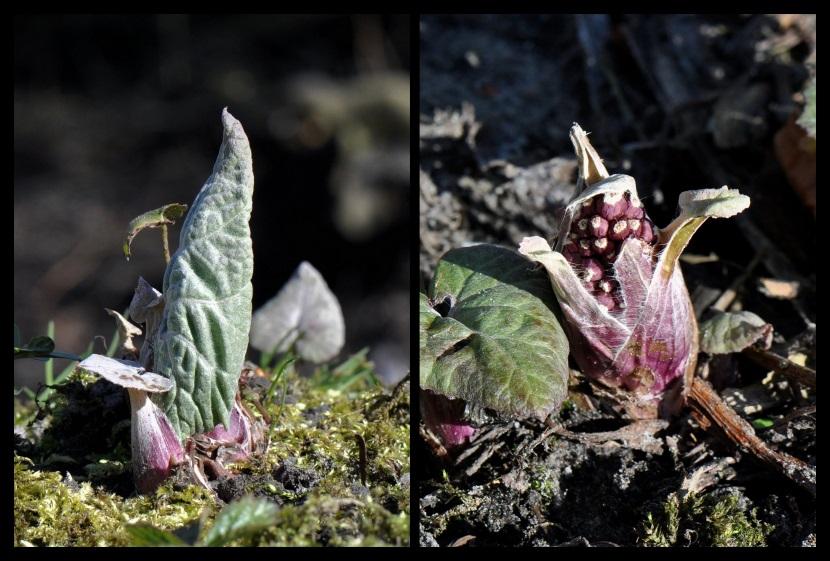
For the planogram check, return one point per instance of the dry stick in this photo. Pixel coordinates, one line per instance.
(488, 452)
(530, 445)
(708, 408)
(803, 411)
(792, 371)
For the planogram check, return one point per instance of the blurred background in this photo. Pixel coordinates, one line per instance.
(115, 115)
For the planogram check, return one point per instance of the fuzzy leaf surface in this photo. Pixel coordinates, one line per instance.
(203, 336)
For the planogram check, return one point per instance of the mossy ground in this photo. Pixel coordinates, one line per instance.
(705, 521)
(311, 468)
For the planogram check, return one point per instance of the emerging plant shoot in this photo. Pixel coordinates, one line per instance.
(629, 319)
(196, 332)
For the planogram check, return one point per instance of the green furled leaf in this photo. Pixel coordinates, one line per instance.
(488, 334)
(144, 534)
(242, 518)
(807, 121)
(152, 219)
(203, 336)
(733, 332)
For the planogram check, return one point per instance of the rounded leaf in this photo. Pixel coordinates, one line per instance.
(488, 334)
(306, 314)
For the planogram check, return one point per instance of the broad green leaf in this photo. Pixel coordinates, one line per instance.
(144, 534)
(488, 334)
(152, 219)
(203, 336)
(305, 314)
(730, 332)
(241, 518)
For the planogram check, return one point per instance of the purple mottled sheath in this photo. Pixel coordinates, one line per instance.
(629, 319)
(156, 448)
(443, 416)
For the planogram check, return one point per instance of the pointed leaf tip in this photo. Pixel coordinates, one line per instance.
(203, 333)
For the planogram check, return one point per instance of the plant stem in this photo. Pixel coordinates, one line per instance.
(49, 367)
(165, 245)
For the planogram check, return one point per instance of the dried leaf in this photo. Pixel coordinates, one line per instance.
(126, 332)
(147, 307)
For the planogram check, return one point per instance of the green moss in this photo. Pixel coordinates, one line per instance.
(315, 428)
(336, 521)
(704, 521)
(542, 481)
(49, 512)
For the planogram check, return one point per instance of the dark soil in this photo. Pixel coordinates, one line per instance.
(679, 102)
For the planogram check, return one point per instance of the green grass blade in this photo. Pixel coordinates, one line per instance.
(279, 369)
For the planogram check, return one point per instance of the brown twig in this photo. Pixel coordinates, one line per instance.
(710, 410)
(800, 412)
(491, 449)
(792, 371)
